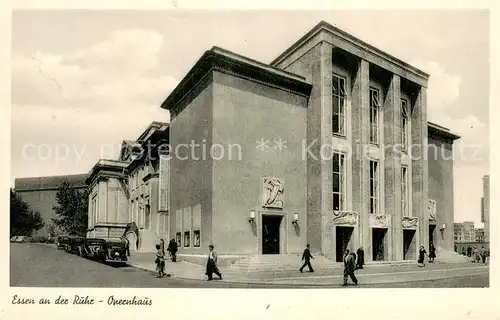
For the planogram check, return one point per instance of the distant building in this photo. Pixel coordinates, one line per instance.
(132, 189)
(464, 232)
(479, 235)
(40, 194)
(485, 207)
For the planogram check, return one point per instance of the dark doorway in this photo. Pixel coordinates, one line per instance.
(409, 244)
(378, 244)
(271, 234)
(342, 238)
(432, 229)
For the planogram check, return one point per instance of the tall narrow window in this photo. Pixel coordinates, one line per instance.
(338, 181)
(196, 241)
(404, 191)
(338, 105)
(374, 115)
(404, 124)
(147, 217)
(374, 193)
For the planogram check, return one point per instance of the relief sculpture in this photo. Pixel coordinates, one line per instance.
(379, 221)
(345, 217)
(273, 193)
(432, 209)
(409, 222)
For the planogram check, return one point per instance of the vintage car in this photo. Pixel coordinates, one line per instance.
(19, 239)
(73, 244)
(61, 242)
(104, 250)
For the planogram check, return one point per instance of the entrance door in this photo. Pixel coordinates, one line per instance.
(409, 244)
(342, 238)
(432, 229)
(271, 234)
(378, 244)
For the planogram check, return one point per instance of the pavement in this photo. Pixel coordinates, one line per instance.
(39, 265)
(371, 274)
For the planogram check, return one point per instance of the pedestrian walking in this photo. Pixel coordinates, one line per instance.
(349, 268)
(487, 258)
(212, 264)
(172, 248)
(127, 246)
(469, 251)
(160, 262)
(306, 257)
(421, 256)
(475, 255)
(361, 258)
(483, 254)
(432, 253)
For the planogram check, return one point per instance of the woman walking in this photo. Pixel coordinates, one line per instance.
(432, 253)
(421, 256)
(160, 262)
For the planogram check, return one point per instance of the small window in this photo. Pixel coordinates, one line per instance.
(196, 242)
(187, 239)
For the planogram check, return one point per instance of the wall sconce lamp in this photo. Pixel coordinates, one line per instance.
(251, 218)
(295, 220)
(443, 226)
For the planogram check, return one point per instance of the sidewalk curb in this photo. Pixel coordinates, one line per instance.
(289, 281)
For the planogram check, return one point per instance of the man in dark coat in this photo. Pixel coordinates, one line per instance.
(212, 264)
(361, 258)
(306, 257)
(349, 268)
(172, 248)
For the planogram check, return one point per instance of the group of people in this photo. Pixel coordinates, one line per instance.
(352, 262)
(172, 249)
(477, 255)
(422, 253)
(160, 256)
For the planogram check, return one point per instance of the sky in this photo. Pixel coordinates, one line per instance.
(83, 81)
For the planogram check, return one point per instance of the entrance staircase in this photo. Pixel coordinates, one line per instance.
(448, 256)
(281, 262)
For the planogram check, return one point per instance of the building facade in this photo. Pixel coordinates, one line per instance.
(328, 93)
(479, 235)
(464, 232)
(485, 207)
(128, 195)
(328, 145)
(40, 194)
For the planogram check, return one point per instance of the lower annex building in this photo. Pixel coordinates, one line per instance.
(329, 144)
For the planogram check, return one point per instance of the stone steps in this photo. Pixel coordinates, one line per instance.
(280, 263)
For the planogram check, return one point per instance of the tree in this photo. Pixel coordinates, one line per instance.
(23, 221)
(71, 207)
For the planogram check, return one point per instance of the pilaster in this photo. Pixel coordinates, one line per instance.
(360, 164)
(419, 166)
(392, 166)
(327, 242)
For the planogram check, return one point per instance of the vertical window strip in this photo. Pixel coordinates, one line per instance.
(404, 191)
(374, 192)
(374, 115)
(339, 188)
(339, 94)
(404, 124)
